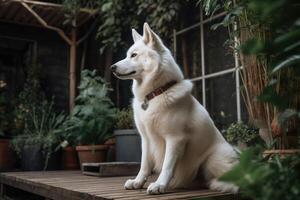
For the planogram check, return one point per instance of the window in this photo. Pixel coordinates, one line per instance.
(212, 67)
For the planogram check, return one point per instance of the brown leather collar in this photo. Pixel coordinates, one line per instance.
(156, 92)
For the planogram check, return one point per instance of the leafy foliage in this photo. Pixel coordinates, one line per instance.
(282, 48)
(117, 16)
(162, 15)
(262, 179)
(31, 96)
(124, 119)
(91, 120)
(240, 132)
(41, 128)
(274, 30)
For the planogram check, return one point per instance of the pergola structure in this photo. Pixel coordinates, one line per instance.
(50, 16)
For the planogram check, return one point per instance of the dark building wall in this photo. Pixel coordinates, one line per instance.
(52, 56)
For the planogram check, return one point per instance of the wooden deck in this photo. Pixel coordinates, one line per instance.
(72, 185)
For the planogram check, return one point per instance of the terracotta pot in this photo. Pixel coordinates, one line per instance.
(69, 159)
(7, 157)
(92, 153)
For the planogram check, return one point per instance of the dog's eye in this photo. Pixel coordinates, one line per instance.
(133, 55)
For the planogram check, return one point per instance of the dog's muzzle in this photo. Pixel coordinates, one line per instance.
(113, 68)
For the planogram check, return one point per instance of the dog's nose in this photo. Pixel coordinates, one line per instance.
(113, 68)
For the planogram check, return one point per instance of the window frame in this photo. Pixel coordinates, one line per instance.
(236, 69)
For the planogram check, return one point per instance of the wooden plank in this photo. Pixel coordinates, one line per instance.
(51, 192)
(107, 169)
(73, 185)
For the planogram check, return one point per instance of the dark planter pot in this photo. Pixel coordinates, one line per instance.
(54, 162)
(7, 157)
(69, 159)
(128, 145)
(32, 159)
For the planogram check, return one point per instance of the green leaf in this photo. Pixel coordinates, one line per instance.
(289, 39)
(105, 7)
(253, 46)
(270, 95)
(286, 115)
(294, 59)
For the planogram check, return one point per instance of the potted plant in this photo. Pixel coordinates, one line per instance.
(7, 158)
(128, 141)
(37, 145)
(91, 120)
(69, 159)
(242, 135)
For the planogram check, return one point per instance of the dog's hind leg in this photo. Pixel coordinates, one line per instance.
(175, 146)
(222, 159)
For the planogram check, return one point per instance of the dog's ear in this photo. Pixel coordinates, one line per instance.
(135, 35)
(150, 38)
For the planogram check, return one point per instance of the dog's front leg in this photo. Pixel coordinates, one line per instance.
(175, 147)
(145, 170)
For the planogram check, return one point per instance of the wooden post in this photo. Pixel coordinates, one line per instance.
(72, 70)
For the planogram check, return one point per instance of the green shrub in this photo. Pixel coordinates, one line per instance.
(261, 178)
(91, 121)
(124, 119)
(240, 132)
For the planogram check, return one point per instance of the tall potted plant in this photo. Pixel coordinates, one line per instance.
(69, 159)
(37, 145)
(91, 120)
(128, 141)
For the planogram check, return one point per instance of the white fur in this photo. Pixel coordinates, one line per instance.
(178, 135)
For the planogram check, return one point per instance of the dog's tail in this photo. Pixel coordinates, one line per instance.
(215, 184)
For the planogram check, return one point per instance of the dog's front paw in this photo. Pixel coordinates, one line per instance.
(133, 184)
(156, 188)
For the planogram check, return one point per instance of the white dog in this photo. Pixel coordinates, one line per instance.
(178, 135)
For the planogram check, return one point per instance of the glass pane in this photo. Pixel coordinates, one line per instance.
(221, 100)
(197, 90)
(218, 55)
(188, 54)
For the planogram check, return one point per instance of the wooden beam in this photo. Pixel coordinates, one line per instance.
(41, 3)
(72, 70)
(44, 23)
